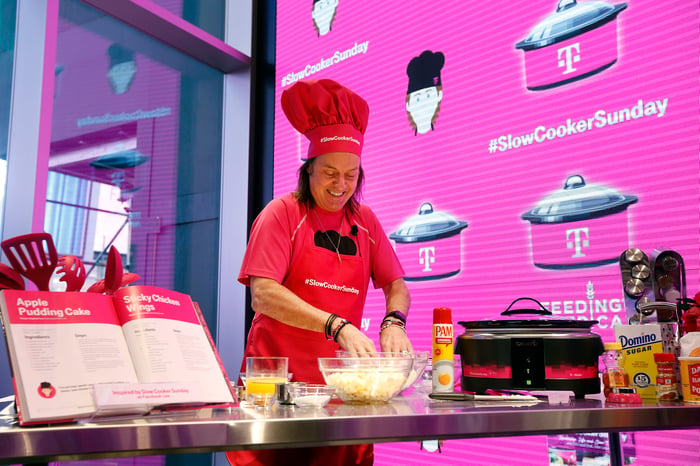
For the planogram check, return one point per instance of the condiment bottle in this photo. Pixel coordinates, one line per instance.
(614, 374)
(666, 381)
(443, 350)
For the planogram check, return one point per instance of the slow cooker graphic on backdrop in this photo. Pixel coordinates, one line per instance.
(539, 353)
(579, 226)
(577, 41)
(429, 244)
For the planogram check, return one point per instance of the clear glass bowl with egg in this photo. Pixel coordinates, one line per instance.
(367, 378)
(310, 395)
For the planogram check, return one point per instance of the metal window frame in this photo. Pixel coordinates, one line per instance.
(31, 115)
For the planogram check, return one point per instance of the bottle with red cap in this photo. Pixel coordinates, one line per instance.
(443, 350)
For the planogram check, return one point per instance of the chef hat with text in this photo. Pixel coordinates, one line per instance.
(332, 117)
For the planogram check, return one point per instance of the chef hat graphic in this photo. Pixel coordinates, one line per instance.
(118, 54)
(332, 117)
(424, 70)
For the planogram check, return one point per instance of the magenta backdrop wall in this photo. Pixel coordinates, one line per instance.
(497, 149)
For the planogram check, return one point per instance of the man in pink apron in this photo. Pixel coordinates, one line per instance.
(311, 255)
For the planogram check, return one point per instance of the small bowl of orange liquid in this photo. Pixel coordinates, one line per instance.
(261, 378)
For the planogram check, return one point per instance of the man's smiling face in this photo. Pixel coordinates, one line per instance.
(333, 179)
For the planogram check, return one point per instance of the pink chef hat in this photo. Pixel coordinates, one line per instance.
(332, 117)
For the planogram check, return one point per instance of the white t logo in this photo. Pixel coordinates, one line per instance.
(569, 57)
(580, 241)
(426, 257)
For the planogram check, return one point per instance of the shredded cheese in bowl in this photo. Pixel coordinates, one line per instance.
(366, 379)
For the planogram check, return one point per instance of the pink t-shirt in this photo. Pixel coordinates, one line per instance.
(271, 247)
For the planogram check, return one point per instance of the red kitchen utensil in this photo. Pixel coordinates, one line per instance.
(73, 272)
(34, 256)
(114, 271)
(127, 278)
(10, 278)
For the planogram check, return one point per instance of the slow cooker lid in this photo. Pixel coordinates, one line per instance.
(578, 201)
(570, 19)
(528, 324)
(120, 160)
(427, 225)
(541, 323)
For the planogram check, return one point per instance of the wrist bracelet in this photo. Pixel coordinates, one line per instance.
(340, 327)
(394, 319)
(329, 326)
(389, 323)
(397, 315)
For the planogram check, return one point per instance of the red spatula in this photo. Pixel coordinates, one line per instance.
(127, 278)
(113, 271)
(73, 272)
(34, 256)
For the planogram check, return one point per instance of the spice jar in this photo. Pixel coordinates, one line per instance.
(666, 380)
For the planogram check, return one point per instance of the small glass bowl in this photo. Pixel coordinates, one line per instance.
(420, 361)
(312, 395)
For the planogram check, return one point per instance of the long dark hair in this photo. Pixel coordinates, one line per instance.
(303, 193)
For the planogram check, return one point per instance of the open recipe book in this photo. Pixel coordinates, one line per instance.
(79, 355)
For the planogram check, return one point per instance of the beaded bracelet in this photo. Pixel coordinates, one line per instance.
(394, 321)
(329, 326)
(390, 322)
(340, 327)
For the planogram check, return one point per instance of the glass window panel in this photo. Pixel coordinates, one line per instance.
(8, 14)
(207, 15)
(135, 155)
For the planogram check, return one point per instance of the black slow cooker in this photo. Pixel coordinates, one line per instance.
(530, 354)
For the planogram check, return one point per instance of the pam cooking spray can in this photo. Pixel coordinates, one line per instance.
(443, 350)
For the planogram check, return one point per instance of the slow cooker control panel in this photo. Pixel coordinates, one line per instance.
(527, 362)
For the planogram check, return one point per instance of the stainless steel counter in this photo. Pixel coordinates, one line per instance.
(413, 417)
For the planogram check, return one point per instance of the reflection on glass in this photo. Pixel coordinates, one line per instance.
(8, 12)
(207, 15)
(135, 155)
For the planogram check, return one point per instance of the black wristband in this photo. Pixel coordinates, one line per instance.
(340, 327)
(329, 326)
(396, 314)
